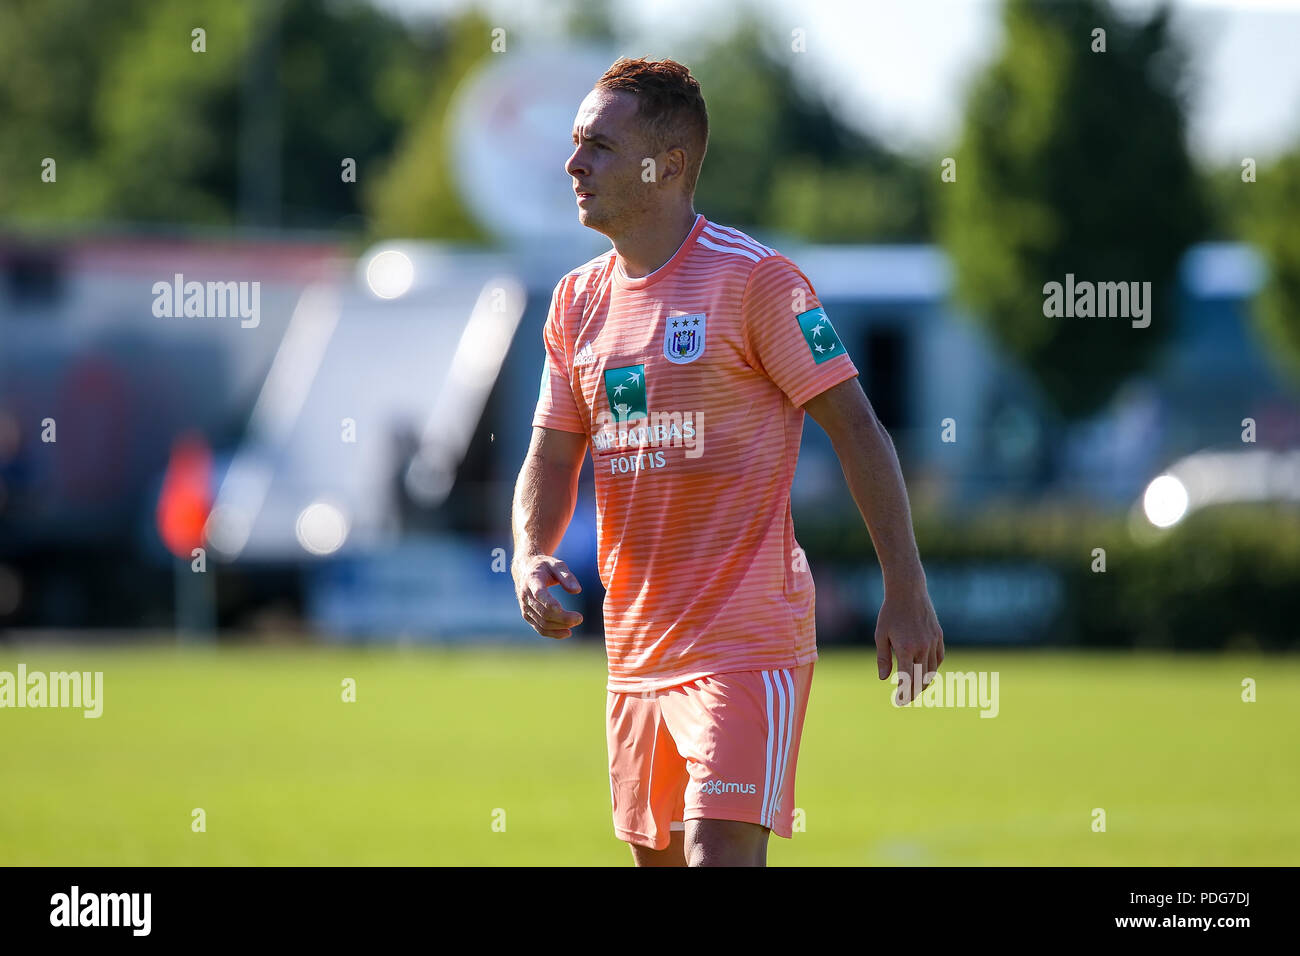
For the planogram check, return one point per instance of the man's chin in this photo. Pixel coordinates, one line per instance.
(592, 220)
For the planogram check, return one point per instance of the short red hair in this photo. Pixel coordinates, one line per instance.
(671, 103)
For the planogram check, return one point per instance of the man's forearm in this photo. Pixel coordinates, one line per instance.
(545, 499)
(875, 480)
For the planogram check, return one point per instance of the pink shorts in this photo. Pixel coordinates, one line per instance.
(723, 747)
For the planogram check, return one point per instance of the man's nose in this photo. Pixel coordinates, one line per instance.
(575, 164)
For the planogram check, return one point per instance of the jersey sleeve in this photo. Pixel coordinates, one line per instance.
(556, 407)
(787, 334)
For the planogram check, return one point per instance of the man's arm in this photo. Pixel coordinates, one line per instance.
(907, 623)
(545, 497)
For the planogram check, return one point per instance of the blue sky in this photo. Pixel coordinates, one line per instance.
(899, 67)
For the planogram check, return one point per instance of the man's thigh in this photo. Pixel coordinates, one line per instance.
(739, 734)
(647, 776)
(704, 770)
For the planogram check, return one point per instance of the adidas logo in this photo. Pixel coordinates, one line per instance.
(585, 356)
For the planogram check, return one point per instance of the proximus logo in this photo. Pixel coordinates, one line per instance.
(719, 786)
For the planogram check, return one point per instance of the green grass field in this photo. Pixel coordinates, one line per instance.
(440, 740)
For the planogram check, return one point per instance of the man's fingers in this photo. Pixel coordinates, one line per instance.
(543, 628)
(884, 659)
(911, 687)
(921, 670)
(541, 610)
(549, 611)
(920, 673)
(907, 688)
(544, 614)
(541, 578)
(932, 660)
(548, 573)
(555, 571)
(537, 587)
(541, 602)
(566, 578)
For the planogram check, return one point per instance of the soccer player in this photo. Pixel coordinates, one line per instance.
(683, 359)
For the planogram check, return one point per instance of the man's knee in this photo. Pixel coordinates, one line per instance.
(725, 843)
(674, 855)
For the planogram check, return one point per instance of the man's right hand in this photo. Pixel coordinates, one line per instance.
(533, 577)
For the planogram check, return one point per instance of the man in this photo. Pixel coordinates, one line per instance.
(684, 359)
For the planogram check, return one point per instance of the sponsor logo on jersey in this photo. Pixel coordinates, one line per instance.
(625, 388)
(820, 335)
(721, 786)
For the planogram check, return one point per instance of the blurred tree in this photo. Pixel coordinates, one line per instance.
(254, 128)
(588, 21)
(53, 58)
(1270, 218)
(1072, 161)
(782, 158)
(167, 118)
(352, 79)
(1224, 198)
(414, 193)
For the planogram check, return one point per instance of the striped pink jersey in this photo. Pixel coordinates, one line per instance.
(689, 384)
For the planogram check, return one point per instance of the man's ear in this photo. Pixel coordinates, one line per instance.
(674, 163)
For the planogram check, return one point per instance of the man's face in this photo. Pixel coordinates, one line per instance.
(609, 147)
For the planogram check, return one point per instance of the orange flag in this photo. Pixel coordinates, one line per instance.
(186, 496)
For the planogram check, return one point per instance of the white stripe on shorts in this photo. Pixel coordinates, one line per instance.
(780, 731)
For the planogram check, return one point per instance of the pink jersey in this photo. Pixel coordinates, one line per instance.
(689, 384)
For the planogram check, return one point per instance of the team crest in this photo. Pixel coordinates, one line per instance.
(684, 337)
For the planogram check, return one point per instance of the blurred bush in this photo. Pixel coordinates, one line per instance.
(1270, 214)
(1224, 577)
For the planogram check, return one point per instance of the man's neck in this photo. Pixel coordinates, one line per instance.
(646, 250)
